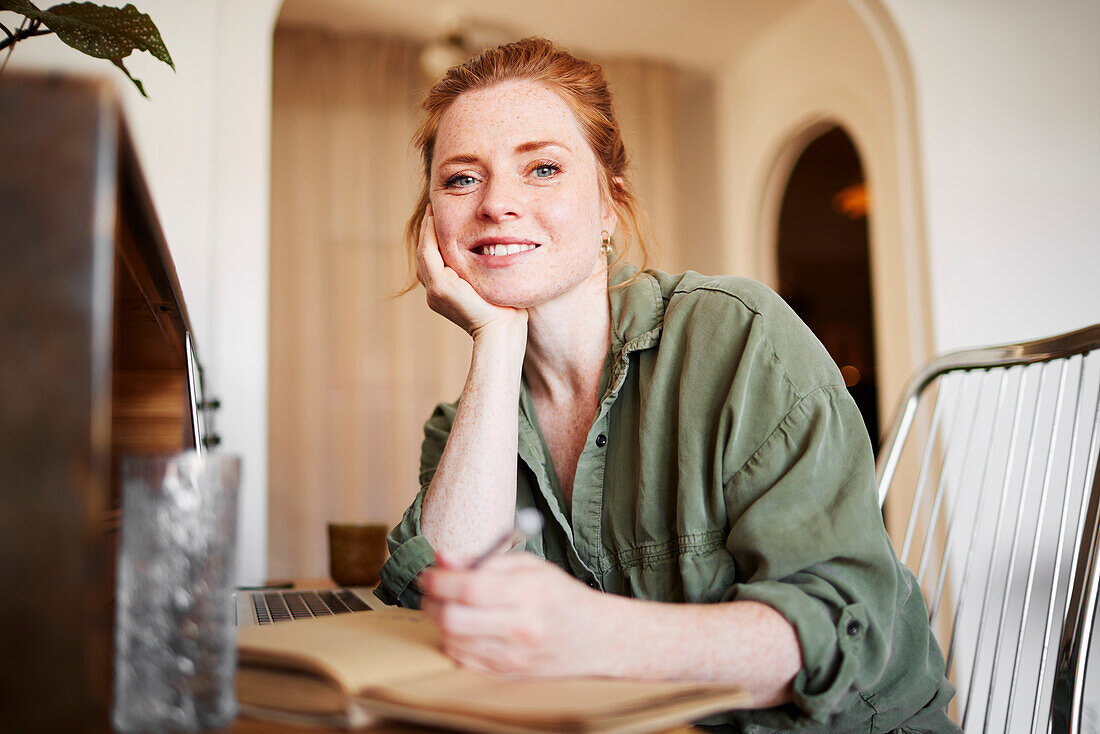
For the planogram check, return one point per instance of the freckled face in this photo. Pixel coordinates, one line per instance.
(515, 194)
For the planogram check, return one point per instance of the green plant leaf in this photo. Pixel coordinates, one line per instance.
(137, 82)
(104, 32)
(98, 31)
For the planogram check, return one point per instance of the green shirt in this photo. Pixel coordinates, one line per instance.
(728, 462)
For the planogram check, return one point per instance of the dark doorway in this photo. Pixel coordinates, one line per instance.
(824, 263)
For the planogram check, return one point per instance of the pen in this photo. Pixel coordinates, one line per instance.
(528, 523)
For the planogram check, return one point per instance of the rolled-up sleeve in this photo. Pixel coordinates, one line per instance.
(410, 551)
(807, 537)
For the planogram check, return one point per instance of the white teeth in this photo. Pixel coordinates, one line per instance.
(495, 250)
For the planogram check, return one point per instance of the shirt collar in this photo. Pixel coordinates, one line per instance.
(637, 309)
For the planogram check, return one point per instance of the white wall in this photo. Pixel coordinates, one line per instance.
(829, 62)
(1008, 101)
(203, 139)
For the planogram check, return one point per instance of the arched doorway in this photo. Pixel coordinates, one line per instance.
(823, 261)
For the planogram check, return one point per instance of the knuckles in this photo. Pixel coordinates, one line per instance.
(447, 617)
(513, 660)
(533, 634)
(478, 590)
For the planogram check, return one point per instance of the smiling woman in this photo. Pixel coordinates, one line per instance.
(706, 480)
(516, 198)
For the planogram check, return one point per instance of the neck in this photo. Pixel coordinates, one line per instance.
(567, 341)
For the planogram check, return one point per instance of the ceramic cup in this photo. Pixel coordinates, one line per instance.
(356, 552)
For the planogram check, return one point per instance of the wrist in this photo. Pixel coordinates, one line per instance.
(507, 335)
(612, 644)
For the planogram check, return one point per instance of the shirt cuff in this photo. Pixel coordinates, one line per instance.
(832, 641)
(399, 573)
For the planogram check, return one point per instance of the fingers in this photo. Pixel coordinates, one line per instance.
(501, 580)
(446, 292)
(429, 261)
(451, 562)
(489, 655)
(473, 588)
(455, 618)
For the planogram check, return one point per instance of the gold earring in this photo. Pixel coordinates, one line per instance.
(605, 243)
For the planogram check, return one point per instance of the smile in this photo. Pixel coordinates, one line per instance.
(510, 249)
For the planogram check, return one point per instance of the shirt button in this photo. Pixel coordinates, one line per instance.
(601, 440)
(853, 628)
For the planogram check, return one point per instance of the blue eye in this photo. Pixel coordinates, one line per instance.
(546, 170)
(461, 179)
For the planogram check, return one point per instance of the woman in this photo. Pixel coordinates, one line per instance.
(685, 437)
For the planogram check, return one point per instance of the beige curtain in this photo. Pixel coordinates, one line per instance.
(354, 372)
(668, 123)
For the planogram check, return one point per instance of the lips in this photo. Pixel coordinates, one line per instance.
(500, 247)
(498, 250)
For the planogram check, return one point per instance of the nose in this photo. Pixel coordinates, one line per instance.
(500, 200)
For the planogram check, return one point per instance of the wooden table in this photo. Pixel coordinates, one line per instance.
(252, 726)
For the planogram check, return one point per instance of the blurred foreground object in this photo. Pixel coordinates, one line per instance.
(94, 367)
(175, 630)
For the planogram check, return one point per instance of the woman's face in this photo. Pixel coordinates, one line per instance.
(516, 197)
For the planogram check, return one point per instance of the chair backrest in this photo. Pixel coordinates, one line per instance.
(991, 490)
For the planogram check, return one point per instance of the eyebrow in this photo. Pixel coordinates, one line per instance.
(528, 147)
(463, 158)
(539, 144)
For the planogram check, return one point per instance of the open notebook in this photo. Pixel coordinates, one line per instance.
(351, 669)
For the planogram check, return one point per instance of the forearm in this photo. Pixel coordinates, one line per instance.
(744, 643)
(472, 497)
(519, 614)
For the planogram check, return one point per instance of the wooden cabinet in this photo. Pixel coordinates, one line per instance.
(94, 366)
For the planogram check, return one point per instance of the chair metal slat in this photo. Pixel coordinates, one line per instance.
(896, 443)
(1029, 463)
(918, 495)
(980, 503)
(1066, 705)
(941, 488)
(1005, 483)
(1016, 419)
(1066, 498)
(1052, 449)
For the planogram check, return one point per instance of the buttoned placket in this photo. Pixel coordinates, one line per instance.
(582, 529)
(584, 551)
(537, 458)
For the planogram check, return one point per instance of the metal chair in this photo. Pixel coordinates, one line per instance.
(991, 490)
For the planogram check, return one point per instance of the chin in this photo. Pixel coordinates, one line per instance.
(517, 290)
(509, 297)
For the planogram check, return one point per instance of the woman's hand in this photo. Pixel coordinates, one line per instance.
(451, 296)
(518, 614)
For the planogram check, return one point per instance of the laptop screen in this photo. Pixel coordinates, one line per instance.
(194, 389)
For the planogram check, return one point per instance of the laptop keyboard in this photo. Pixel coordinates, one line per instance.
(282, 606)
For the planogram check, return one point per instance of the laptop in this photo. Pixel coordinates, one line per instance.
(270, 606)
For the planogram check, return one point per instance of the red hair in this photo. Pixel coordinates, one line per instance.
(581, 84)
